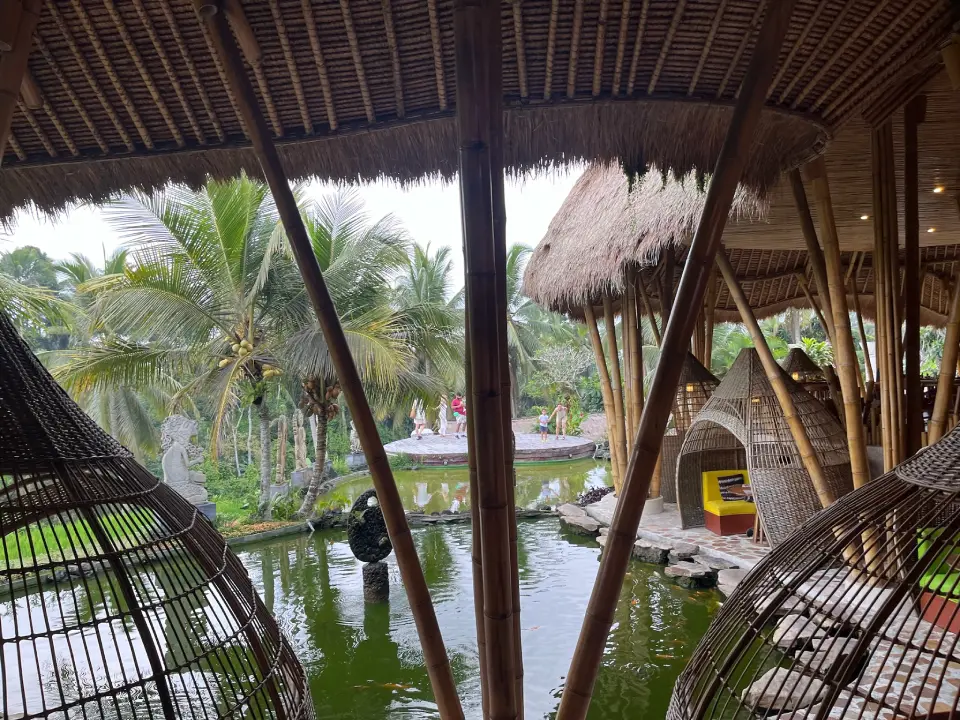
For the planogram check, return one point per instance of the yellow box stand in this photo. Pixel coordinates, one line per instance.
(726, 517)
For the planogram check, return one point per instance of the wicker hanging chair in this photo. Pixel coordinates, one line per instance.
(694, 389)
(854, 616)
(117, 598)
(798, 365)
(742, 427)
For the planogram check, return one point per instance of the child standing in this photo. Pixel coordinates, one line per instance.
(459, 414)
(442, 415)
(419, 417)
(544, 424)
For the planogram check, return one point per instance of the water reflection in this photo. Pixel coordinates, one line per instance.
(446, 489)
(365, 661)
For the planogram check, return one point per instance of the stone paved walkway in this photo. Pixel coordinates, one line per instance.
(665, 526)
(436, 450)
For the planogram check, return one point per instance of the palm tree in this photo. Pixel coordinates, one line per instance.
(209, 296)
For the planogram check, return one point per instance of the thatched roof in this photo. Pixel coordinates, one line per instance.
(130, 94)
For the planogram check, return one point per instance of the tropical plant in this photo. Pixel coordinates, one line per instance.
(28, 294)
(820, 351)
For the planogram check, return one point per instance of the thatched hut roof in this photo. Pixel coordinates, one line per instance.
(602, 227)
(130, 95)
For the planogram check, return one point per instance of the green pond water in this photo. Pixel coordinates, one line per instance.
(438, 489)
(364, 661)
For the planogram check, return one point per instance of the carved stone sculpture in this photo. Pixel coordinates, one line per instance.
(355, 446)
(179, 455)
(299, 442)
(281, 471)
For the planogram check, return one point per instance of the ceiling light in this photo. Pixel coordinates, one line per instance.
(931, 229)
(938, 189)
(864, 217)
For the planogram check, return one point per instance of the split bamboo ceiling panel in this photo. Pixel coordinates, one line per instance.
(129, 94)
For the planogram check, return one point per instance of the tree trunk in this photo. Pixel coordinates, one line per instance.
(249, 435)
(236, 444)
(318, 476)
(514, 391)
(263, 509)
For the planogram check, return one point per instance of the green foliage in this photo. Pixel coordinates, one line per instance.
(591, 397)
(285, 506)
(338, 438)
(400, 462)
(332, 501)
(223, 485)
(820, 351)
(340, 466)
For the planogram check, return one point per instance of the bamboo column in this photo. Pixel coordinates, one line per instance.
(814, 305)
(913, 115)
(693, 284)
(626, 320)
(649, 308)
(13, 64)
(478, 103)
(435, 656)
(605, 391)
(867, 362)
(709, 315)
(668, 267)
(616, 381)
(844, 353)
(636, 354)
(817, 263)
(776, 377)
(948, 367)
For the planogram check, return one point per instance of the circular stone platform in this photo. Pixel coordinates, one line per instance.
(437, 450)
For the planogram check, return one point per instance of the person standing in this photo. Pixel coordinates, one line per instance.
(562, 410)
(442, 415)
(419, 418)
(459, 414)
(544, 424)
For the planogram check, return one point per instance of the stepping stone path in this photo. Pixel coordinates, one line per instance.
(783, 689)
(651, 551)
(728, 579)
(683, 551)
(714, 563)
(797, 631)
(585, 526)
(571, 510)
(824, 655)
(692, 576)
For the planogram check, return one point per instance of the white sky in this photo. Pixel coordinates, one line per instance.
(430, 213)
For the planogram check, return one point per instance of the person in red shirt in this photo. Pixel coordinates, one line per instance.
(459, 409)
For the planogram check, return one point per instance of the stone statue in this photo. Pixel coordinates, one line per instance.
(299, 442)
(355, 446)
(281, 473)
(179, 455)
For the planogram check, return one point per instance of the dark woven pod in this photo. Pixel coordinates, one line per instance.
(872, 578)
(742, 426)
(117, 598)
(694, 389)
(799, 366)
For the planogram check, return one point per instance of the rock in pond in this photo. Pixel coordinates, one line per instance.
(714, 563)
(691, 575)
(681, 552)
(783, 689)
(571, 510)
(602, 539)
(823, 655)
(651, 551)
(795, 631)
(588, 527)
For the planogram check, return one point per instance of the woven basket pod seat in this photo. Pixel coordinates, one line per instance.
(117, 598)
(854, 616)
(694, 389)
(798, 365)
(742, 427)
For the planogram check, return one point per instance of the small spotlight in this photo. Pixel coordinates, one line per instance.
(938, 189)
(931, 229)
(864, 217)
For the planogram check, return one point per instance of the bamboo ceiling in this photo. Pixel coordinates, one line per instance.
(128, 94)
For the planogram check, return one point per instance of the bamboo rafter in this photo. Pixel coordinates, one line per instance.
(637, 45)
(320, 62)
(795, 48)
(705, 52)
(598, 52)
(520, 46)
(68, 90)
(741, 48)
(848, 41)
(551, 48)
(37, 130)
(574, 48)
(191, 69)
(85, 68)
(144, 73)
(291, 67)
(17, 148)
(621, 46)
(208, 41)
(161, 51)
(107, 64)
(394, 57)
(811, 57)
(665, 48)
(357, 60)
(58, 124)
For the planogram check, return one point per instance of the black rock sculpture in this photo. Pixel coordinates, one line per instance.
(366, 529)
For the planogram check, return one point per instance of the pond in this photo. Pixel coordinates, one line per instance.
(437, 489)
(364, 661)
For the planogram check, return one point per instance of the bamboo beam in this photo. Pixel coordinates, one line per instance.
(776, 377)
(616, 381)
(709, 314)
(627, 321)
(435, 656)
(649, 309)
(478, 82)
(867, 362)
(804, 286)
(948, 368)
(605, 391)
(699, 266)
(913, 114)
(817, 263)
(668, 270)
(13, 66)
(636, 355)
(844, 354)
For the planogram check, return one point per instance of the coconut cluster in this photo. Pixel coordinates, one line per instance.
(318, 399)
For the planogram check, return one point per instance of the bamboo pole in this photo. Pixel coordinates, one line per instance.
(616, 382)
(636, 354)
(817, 261)
(948, 366)
(895, 293)
(667, 271)
(913, 115)
(844, 355)
(814, 305)
(13, 66)
(869, 378)
(605, 391)
(709, 315)
(699, 266)
(626, 344)
(421, 606)
(880, 259)
(775, 376)
(649, 308)
(478, 103)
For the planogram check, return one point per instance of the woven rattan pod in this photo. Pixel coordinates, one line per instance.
(798, 365)
(742, 427)
(694, 389)
(854, 616)
(117, 598)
